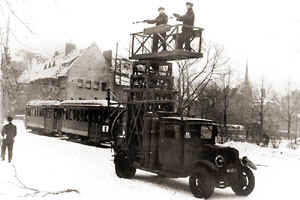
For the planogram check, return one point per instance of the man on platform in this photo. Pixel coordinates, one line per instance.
(9, 132)
(161, 19)
(187, 29)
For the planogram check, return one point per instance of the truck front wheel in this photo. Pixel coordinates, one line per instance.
(202, 184)
(245, 182)
(123, 168)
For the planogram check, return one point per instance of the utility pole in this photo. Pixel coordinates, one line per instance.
(296, 128)
(3, 65)
(262, 100)
(116, 63)
(289, 120)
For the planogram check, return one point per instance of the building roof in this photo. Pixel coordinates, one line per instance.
(53, 68)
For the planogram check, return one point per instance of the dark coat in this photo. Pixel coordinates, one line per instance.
(9, 132)
(159, 20)
(187, 19)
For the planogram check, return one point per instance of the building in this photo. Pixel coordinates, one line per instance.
(74, 74)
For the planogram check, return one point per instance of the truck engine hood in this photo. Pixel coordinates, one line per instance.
(231, 155)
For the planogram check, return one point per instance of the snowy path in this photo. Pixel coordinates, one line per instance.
(51, 165)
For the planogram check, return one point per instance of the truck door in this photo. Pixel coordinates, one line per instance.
(171, 146)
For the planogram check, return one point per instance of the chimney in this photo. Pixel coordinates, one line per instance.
(108, 57)
(69, 48)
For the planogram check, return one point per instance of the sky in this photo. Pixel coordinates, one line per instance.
(264, 33)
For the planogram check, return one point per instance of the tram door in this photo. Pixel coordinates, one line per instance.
(95, 126)
(57, 120)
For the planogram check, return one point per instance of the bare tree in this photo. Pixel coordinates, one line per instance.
(290, 108)
(194, 75)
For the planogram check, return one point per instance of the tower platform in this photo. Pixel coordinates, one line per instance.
(166, 43)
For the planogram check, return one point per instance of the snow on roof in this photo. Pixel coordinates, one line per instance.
(189, 119)
(43, 103)
(88, 103)
(92, 103)
(54, 67)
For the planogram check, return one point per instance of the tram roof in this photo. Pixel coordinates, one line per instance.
(43, 103)
(90, 103)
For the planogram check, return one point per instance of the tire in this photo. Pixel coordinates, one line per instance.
(123, 168)
(245, 183)
(202, 184)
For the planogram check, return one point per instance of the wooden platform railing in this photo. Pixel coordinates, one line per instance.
(142, 43)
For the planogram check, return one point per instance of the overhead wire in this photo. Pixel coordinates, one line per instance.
(17, 17)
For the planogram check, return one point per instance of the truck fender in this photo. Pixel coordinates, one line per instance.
(248, 163)
(203, 164)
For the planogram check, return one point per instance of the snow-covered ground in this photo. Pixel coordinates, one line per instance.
(43, 166)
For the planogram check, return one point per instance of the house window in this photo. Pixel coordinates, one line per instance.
(88, 84)
(104, 86)
(96, 85)
(80, 83)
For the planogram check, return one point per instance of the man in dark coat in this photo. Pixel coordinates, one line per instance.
(9, 132)
(187, 29)
(161, 19)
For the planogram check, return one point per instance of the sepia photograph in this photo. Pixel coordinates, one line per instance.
(149, 99)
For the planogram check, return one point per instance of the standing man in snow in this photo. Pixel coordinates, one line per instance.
(187, 28)
(9, 132)
(161, 19)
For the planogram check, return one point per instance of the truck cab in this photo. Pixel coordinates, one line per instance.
(175, 146)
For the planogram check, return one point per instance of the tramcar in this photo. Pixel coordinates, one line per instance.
(89, 120)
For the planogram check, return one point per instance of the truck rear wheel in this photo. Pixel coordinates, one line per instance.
(123, 168)
(245, 182)
(202, 184)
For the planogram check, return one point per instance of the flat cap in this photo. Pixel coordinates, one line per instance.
(189, 3)
(161, 8)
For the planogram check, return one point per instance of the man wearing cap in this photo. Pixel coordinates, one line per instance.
(161, 19)
(187, 29)
(9, 132)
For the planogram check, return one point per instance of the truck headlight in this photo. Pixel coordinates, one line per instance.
(219, 161)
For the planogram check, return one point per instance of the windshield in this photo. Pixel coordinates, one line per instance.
(201, 131)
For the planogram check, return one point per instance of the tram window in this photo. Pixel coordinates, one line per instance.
(55, 114)
(77, 115)
(41, 113)
(81, 115)
(68, 116)
(94, 116)
(74, 117)
(99, 116)
(71, 114)
(87, 116)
